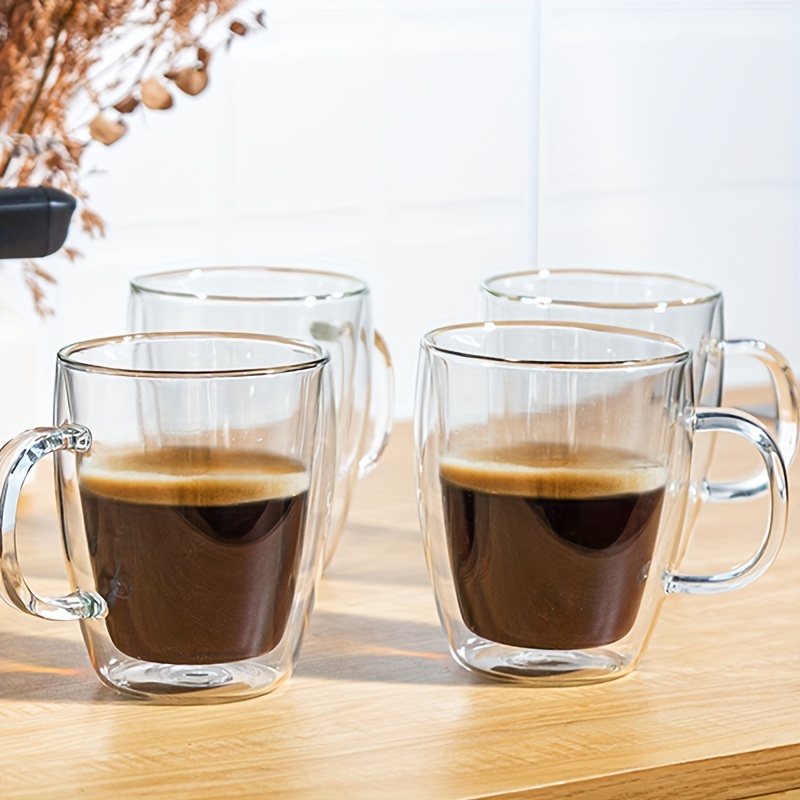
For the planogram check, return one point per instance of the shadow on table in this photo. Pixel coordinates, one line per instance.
(352, 647)
(343, 647)
(380, 555)
(338, 647)
(40, 668)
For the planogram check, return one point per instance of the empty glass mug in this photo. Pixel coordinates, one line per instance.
(327, 308)
(553, 465)
(194, 474)
(683, 309)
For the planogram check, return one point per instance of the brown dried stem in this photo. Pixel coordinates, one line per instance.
(56, 52)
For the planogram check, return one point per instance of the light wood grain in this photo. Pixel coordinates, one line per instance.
(377, 708)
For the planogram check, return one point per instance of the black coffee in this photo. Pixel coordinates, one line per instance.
(550, 550)
(195, 551)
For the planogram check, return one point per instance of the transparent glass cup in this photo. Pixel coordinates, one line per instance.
(684, 309)
(553, 471)
(194, 474)
(327, 308)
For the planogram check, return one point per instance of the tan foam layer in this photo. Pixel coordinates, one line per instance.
(555, 475)
(193, 476)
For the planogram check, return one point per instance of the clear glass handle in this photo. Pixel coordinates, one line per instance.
(381, 411)
(787, 415)
(16, 459)
(725, 419)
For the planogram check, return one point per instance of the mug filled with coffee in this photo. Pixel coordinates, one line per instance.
(553, 468)
(194, 474)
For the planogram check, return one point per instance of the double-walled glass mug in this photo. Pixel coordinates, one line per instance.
(553, 469)
(194, 474)
(329, 309)
(681, 308)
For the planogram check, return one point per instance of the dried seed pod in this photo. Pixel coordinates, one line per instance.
(126, 105)
(189, 80)
(237, 27)
(155, 95)
(106, 131)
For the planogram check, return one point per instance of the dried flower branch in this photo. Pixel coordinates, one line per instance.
(71, 69)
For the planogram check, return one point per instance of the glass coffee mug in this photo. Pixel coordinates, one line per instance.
(553, 467)
(681, 308)
(327, 308)
(194, 475)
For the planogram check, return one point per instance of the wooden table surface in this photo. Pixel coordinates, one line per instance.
(377, 708)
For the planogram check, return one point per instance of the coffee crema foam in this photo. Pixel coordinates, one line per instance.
(539, 472)
(193, 476)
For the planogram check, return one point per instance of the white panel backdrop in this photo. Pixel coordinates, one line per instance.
(669, 134)
(435, 142)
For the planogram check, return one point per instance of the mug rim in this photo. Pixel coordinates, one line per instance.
(710, 292)
(139, 284)
(317, 357)
(681, 354)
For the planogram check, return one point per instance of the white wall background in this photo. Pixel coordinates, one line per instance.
(436, 142)
(669, 134)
